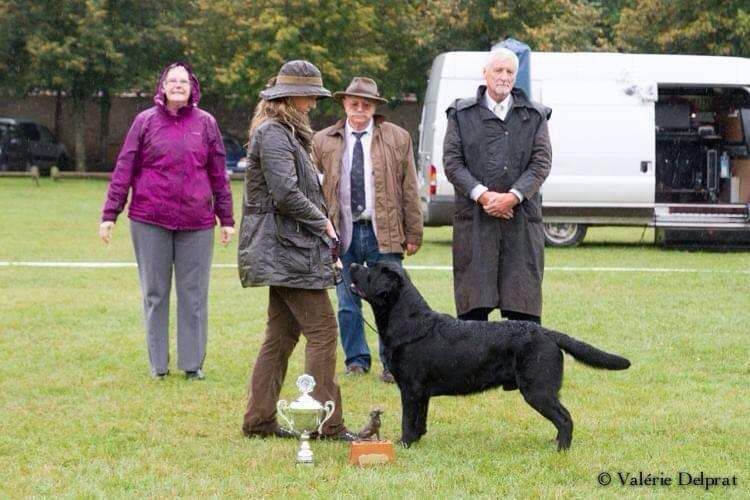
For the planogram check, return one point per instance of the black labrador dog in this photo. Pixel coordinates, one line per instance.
(433, 354)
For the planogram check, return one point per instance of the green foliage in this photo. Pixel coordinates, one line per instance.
(569, 26)
(85, 46)
(708, 27)
(238, 45)
(14, 58)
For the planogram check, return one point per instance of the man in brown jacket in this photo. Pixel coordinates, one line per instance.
(370, 187)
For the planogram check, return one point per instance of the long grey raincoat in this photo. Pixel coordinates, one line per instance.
(497, 263)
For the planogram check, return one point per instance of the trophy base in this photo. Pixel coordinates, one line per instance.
(365, 453)
(305, 454)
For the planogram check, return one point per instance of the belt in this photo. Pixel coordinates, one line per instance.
(363, 222)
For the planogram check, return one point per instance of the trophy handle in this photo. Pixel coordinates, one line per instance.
(281, 407)
(329, 406)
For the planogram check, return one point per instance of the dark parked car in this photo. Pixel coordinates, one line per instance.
(235, 151)
(30, 143)
(15, 153)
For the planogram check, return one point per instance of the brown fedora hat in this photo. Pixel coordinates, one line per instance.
(361, 86)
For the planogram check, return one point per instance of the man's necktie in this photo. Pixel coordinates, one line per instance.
(358, 177)
(498, 110)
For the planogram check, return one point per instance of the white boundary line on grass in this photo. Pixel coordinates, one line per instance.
(408, 267)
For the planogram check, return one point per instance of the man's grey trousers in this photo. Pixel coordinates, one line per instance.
(157, 251)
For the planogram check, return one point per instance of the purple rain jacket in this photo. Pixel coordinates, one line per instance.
(175, 167)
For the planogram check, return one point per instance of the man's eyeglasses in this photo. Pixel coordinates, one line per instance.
(361, 104)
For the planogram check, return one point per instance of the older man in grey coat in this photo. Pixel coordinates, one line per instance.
(497, 154)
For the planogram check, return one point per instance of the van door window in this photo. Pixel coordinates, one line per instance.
(45, 134)
(30, 131)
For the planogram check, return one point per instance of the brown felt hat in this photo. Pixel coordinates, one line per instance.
(296, 78)
(361, 86)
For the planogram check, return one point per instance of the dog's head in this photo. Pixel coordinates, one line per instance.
(379, 284)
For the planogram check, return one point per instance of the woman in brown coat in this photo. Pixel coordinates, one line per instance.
(287, 243)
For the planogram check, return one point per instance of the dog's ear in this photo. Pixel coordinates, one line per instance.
(390, 282)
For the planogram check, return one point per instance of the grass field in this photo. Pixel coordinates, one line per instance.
(80, 416)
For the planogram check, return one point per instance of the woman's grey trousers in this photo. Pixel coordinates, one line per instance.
(158, 251)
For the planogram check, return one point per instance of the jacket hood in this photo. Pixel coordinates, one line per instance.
(195, 87)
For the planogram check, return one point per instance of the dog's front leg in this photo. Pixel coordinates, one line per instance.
(423, 405)
(409, 418)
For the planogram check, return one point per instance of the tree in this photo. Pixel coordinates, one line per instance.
(88, 48)
(239, 44)
(711, 27)
(570, 26)
(14, 59)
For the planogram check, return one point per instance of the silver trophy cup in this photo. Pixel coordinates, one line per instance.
(305, 415)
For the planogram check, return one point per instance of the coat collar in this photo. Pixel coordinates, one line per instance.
(339, 128)
(519, 98)
(520, 103)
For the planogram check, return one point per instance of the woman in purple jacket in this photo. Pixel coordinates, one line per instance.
(173, 161)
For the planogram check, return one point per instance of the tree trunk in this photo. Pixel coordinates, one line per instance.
(105, 104)
(58, 113)
(79, 120)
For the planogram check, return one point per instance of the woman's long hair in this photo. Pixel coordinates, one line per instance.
(284, 111)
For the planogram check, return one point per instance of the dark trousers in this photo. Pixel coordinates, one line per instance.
(482, 313)
(292, 311)
(362, 250)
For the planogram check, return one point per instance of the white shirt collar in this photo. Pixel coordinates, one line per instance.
(368, 129)
(505, 104)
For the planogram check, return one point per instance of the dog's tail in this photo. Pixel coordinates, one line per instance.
(588, 354)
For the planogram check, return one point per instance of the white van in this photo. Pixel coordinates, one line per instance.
(650, 140)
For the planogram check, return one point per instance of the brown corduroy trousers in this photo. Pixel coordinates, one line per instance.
(292, 311)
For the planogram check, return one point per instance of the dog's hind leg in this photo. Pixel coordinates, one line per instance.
(550, 407)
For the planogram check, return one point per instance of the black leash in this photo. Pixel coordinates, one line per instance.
(347, 286)
(336, 249)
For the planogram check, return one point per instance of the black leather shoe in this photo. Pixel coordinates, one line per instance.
(281, 432)
(161, 376)
(344, 435)
(196, 375)
(278, 432)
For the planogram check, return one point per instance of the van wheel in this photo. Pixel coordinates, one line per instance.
(564, 234)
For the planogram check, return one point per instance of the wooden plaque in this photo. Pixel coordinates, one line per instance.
(365, 453)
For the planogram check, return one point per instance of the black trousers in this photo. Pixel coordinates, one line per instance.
(482, 313)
